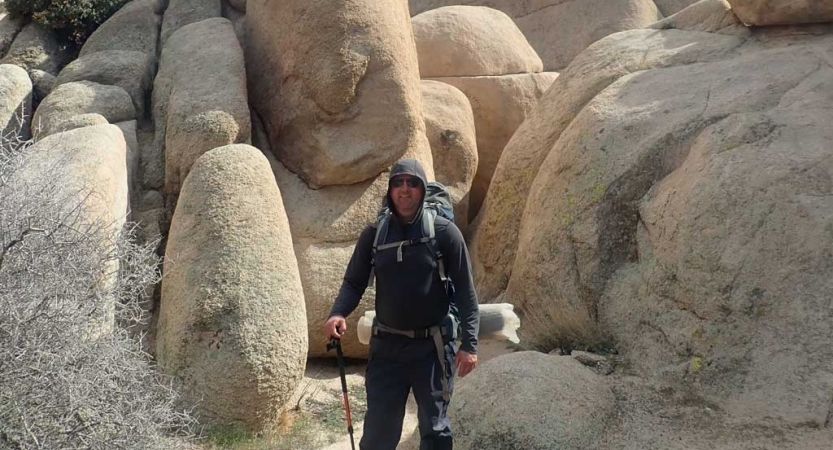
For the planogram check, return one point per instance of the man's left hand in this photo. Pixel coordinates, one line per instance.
(466, 362)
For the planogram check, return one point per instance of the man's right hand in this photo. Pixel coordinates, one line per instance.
(335, 327)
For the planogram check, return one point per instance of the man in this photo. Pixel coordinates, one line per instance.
(411, 298)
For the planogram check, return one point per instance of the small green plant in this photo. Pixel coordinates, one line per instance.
(228, 436)
(311, 424)
(73, 19)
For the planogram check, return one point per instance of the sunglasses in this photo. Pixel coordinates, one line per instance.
(412, 182)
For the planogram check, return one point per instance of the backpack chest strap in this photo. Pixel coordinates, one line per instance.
(429, 239)
(400, 244)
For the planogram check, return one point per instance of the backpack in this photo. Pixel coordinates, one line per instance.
(437, 202)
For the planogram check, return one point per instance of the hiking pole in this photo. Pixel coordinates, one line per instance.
(336, 344)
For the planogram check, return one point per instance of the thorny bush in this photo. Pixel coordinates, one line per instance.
(74, 19)
(69, 376)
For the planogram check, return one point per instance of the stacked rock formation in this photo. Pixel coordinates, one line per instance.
(340, 100)
(502, 78)
(560, 29)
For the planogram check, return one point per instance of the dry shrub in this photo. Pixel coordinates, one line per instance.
(558, 327)
(74, 19)
(69, 379)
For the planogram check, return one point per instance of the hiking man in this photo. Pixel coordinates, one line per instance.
(414, 338)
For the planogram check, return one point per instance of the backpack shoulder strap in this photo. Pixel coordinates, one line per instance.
(428, 230)
(381, 223)
(428, 219)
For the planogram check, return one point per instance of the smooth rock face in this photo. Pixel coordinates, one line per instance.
(339, 94)
(36, 47)
(134, 28)
(81, 97)
(184, 12)
(535, 401)
(496, 228)
(449, 125)
(695, 224)
(559, 30)
(232, 323)
(782, 12)
(331, 214)
(199, 96)
(500, 104)
(322, 268)
(470, 41)
(129, 70)
(15, 101)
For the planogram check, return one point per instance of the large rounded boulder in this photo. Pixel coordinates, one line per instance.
(693, 225)
(232, 322)
(199, 97)
(77, 98)
(129, 70)
(500, 104)
(88, 165)
(15, 101)
(337, 86)
(529, 400)
(180, 13)
(133, 28)
(449, 125)
(469, 41)
(37, 48)
(559, 30)
(92, 170)
(497, 227)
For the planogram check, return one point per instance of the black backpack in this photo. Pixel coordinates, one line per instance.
(437, 202)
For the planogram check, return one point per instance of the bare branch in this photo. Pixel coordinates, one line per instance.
(62, 386)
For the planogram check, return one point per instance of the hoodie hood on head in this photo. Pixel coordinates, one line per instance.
(407, 166)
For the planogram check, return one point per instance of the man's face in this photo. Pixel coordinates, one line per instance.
(406, 194)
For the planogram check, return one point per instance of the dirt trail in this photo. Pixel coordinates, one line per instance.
(487, 351)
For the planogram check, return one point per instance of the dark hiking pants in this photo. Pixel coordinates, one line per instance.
(397, 364)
